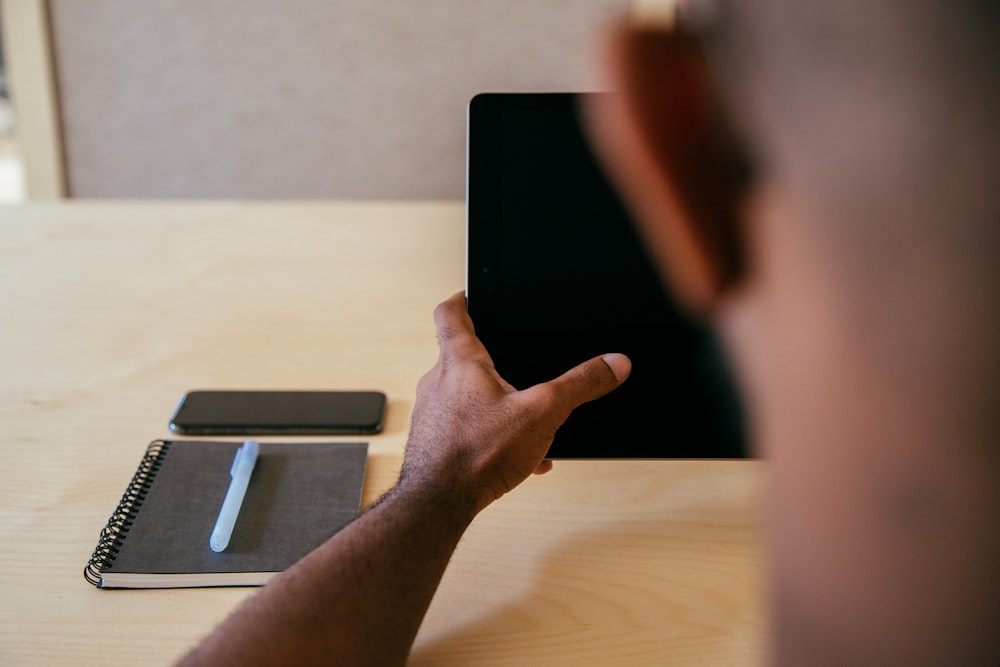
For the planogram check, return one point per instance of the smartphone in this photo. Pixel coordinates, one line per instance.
(278, 412)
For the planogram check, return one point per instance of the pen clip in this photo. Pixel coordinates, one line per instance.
(245, 455)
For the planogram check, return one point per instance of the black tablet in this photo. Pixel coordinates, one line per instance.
(556, 274)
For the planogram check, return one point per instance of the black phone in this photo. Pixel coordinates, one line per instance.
(278, 412)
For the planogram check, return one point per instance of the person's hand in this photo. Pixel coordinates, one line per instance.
(472, 432)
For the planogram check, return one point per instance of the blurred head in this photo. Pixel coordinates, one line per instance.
(819, 179)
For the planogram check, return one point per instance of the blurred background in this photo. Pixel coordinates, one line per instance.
(12, 186)
(251, 99)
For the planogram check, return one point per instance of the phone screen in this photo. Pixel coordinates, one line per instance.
(239, 412)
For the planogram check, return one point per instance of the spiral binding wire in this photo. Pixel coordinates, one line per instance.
(114, 532)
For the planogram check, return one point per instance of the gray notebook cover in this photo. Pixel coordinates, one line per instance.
(298, 496)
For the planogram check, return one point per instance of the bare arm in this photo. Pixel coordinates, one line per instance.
(361, 596)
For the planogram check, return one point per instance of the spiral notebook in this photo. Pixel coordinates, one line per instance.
(299, 495)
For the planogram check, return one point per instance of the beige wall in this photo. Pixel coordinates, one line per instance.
(298, 98)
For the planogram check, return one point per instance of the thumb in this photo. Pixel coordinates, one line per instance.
(591, 379)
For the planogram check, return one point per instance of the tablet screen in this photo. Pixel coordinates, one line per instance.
(557, 275)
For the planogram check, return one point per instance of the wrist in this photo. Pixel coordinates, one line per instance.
(442, 492)
(446, 489)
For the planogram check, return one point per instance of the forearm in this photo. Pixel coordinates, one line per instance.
(359, 598)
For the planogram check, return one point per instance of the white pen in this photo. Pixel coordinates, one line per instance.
(246, 458)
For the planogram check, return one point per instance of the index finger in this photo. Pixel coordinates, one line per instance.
(455, 332)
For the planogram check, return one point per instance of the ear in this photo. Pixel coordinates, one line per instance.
(665, 144)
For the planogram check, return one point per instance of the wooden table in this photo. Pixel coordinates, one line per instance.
(110, 311)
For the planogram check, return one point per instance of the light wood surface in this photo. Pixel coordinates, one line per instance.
(110, 311)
